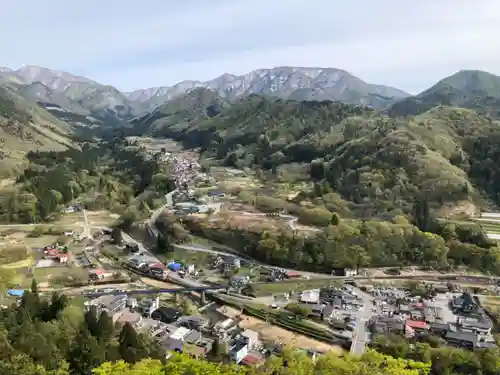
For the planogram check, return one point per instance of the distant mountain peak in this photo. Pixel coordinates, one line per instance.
(299, 83)
(473, 89)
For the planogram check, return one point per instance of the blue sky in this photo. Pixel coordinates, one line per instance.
(138, 44)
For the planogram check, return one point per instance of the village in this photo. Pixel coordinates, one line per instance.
(206, 299)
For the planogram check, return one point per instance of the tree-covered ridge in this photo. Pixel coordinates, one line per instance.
(23, 127)
(182, 112)
(471, 89)
(367, 157)
(107, 175)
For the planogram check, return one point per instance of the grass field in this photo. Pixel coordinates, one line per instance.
(490, 227)
(199, 259)
(101, 218)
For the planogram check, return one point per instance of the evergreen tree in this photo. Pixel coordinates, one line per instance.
(130, 346)
(335, 220)
(85, 353)
(116, 236)
(91, 322)
(34, 287)
(104, 327)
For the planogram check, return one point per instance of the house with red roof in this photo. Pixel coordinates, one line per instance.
(416, 325)
(158, 269)
(99, 273)
(56, 255)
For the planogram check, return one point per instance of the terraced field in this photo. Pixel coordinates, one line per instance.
(490, 221)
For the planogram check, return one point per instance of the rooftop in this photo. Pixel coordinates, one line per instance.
(238, 345)
(251, 359)
(128, 317)
(416, 324)
(98, 271)
(158, 265)
(180, 333)
(462, 336)
(251, 335)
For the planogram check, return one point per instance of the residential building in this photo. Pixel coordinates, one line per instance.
(464, 303)
(382, 324)
(348, 272)
(193, 322)
(126, 316)
(55, 254)
(441, 329)
(158, 269)
(417, 325)
(110, 304)
(99, 273)
(470, 340)
(166, 314)
(310, 296)
(147, 306)
(238, 351)
(251, 337)
(252, 359)
(480, 325)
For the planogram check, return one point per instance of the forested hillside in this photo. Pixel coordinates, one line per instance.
(23, 127)
(108, 175)
(473, 89)
(368, 158)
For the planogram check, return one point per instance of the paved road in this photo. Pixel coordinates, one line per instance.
(359, 337)
(154, 216)
(86, 226)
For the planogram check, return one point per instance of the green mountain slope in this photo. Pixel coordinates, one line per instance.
(372, 160)
(182, 113)
(471, 89)
(24, 126)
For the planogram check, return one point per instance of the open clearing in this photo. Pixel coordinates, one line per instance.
(491, 302)
(271, 333)
(156, 144)
(101, 218)
(266, 289)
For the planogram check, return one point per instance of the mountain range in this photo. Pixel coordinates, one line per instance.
(436, 140)
(104, 103)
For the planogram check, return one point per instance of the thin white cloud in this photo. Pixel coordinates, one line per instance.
(149, 43)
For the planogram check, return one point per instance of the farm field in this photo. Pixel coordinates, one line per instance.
(273, 333)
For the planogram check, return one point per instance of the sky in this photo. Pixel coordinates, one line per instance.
(138, 44)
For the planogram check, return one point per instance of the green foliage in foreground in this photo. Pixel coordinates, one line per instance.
(444, 360)
(55, 337)
(290, 363)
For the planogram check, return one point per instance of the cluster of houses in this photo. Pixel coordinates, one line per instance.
(185, 172)
(53, 255)
(192, 334)
(471, 327)
(148, 264)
